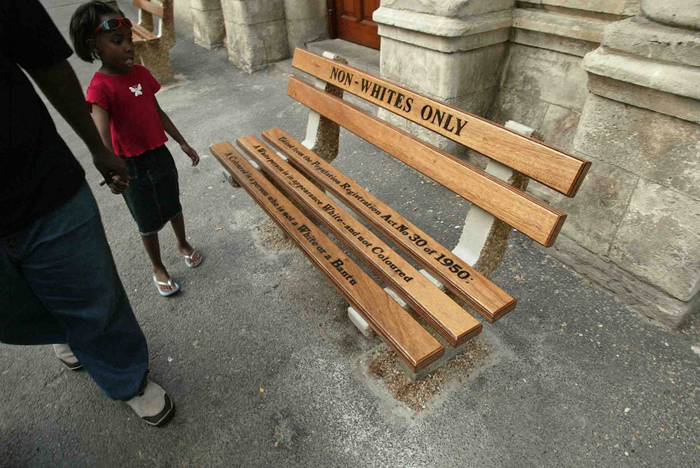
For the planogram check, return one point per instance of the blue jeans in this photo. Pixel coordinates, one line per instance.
(59, 284)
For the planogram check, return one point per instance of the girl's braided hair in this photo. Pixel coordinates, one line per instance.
(83, 24)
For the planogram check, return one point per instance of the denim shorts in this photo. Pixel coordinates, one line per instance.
(153, 194)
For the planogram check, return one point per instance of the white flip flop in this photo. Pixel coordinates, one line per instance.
(170, 282)
(190, 263)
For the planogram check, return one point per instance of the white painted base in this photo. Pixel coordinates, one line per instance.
(360, 323)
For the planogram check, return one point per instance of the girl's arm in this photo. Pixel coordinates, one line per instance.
(101, 118)
(171, 130)
(62, 88)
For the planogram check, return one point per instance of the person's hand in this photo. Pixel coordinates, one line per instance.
(112, 168)
(189, 151)
(116, 185)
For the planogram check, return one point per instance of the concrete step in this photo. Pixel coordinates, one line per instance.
(358, 56)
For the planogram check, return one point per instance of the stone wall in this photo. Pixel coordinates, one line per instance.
(631, 106)
(642, 117)
(544, 86)
(635, 225)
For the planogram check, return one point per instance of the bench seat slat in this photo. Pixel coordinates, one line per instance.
(480, 293)
(516, 208)
(441, 312)
(559, 170)
(413, 343)
(139, 33)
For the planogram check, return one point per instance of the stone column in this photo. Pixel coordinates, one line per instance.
(307, 21)
(182, 11)
(207, 22)
(256, 32)
(451, 50)
(637, 219)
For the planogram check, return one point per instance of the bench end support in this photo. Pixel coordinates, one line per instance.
(322, 134)
(484, 237)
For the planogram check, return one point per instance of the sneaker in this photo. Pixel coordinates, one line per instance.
(152, 404)
(66, 356)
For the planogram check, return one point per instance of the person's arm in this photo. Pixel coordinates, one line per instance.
(37, 46)
(62, 88)
(100, 116)
(171, 130)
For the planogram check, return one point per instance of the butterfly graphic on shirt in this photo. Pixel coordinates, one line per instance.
(136, 90)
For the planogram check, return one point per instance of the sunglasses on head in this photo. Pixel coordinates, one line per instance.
(112, 24)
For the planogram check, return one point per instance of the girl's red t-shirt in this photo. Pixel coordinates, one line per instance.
(131, 102)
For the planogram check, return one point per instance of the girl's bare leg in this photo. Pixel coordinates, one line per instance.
(178, 223)
(152, 246)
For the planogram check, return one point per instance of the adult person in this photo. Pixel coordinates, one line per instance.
(58, 281)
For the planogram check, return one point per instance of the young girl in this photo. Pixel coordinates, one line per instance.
(124, 107)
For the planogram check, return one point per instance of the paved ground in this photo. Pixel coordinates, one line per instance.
(266, 370)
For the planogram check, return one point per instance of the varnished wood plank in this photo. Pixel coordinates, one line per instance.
(463, 280)
(559, 170)
(518, 209)
(139, 33)
(441, 312)
(149, 7)
(413, 343)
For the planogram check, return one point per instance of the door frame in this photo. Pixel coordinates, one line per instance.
(332, 19)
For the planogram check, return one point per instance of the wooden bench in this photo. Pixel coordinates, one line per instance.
(293, 172)
(151, 48)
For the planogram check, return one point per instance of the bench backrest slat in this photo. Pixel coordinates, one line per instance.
(150, 7)
(518, 209)
(456, 274)
(441, 312)
(559, 170)
(411, 341)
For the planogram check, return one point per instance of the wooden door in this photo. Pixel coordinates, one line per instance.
(353, 20)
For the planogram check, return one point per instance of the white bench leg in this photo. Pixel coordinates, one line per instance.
(360, 323)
